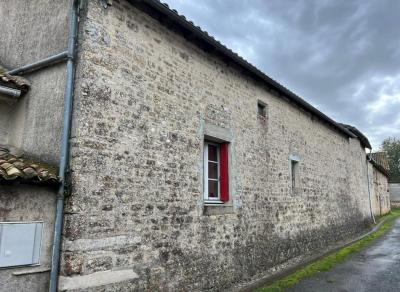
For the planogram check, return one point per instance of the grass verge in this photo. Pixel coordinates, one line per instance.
(331, 260)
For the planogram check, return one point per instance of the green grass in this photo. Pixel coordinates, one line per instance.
(331, 260)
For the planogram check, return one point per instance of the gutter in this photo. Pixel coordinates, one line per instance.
(195, 32)
(10, 91)
(41, 64)
(64, 160)
(363, 139)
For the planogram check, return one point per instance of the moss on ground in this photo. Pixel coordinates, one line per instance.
(331, 260)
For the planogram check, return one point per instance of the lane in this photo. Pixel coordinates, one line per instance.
(376, 268)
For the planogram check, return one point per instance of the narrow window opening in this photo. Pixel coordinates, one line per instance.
(294, 173)
(261, 109)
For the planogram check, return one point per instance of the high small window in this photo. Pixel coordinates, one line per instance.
(261, 109)
(294, 165)
(216, 177)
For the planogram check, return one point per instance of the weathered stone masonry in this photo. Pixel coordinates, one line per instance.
(144, 97)
(380, 191)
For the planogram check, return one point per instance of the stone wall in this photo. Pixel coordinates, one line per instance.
(25, 203)
(144, 97)
(380, 192)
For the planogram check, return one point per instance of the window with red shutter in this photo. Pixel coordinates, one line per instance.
(216, 172)
(224, 172)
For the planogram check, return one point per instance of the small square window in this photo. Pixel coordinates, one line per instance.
(261, 109)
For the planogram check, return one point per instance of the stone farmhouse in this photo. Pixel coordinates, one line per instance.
(140, 154)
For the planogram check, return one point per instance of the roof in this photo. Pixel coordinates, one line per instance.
(363, 139)
(16, 167)
(380, 161)
(195, 34)
(16, 82)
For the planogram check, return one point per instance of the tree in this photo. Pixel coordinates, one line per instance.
(392, 148)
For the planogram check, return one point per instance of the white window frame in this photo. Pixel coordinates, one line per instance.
(207, 199)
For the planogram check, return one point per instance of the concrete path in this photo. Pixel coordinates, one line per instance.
(375, 269)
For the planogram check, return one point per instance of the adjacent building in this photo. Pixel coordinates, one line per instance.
(183, 167)
(380, 177)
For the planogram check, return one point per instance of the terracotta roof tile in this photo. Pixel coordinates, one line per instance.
(379, 159)
(17, 82)
(17, 168)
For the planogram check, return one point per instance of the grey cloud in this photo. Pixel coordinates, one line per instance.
(329, 52)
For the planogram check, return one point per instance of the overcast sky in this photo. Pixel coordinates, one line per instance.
(342, 56)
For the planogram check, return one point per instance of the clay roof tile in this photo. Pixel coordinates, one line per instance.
(25, 170)
(16, 82)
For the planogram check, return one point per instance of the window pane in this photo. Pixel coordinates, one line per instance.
(212, 189)
(213, 170)
(212, 152)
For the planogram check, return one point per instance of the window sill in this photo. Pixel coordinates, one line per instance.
(296, 191)
(31, 270)
(213, 203)
(217, 209)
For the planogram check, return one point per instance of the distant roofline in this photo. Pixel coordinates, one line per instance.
(380, 160)
(378, 166)
(170, 17)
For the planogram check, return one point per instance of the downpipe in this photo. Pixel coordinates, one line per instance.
(10, 91)
(64, 159)
(369, 188)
